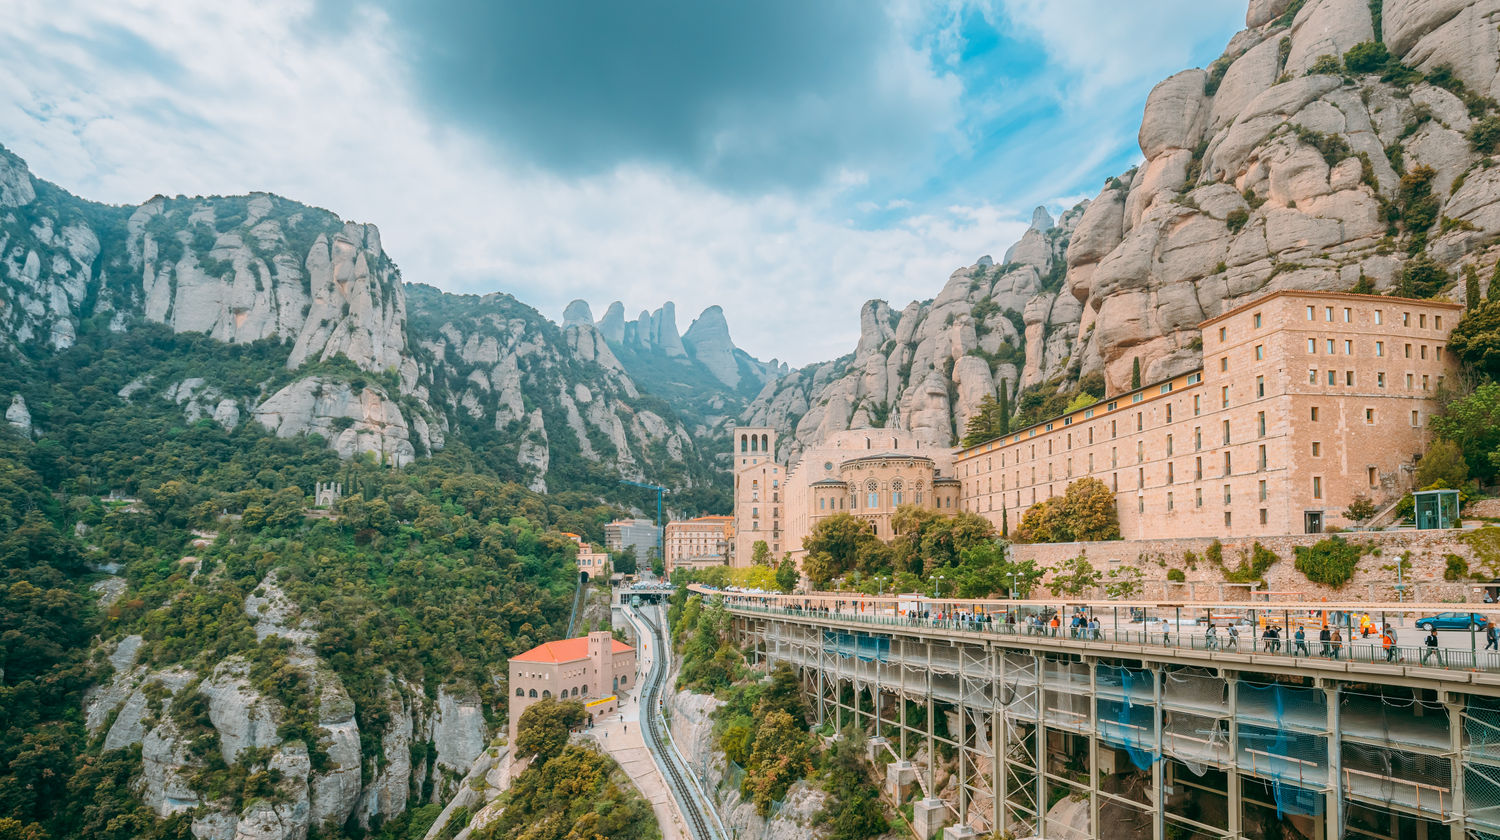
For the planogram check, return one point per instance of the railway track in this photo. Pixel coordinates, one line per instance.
(677, 775)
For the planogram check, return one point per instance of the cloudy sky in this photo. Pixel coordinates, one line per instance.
(787, 159)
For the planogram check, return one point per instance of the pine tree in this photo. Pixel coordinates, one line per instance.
(1471, 287)
(1135, 373)
(1494, 291)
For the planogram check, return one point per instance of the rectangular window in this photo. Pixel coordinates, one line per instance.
(1314, 414)
(1312, 376)
(1257, 320)
(1226, 396)
(1408, 351)
(1416, 419)
(1140, 477)
(1227, 496)
(1312, 346)
(1138, 421)
(1348, 347)
(1140, 504)
(1333, 377)
(1317, 487)
(1328, 314)
(1347, 315)
(1263, 516)
(1140, 451)
(1424, 351)
(1137, 397)
(1165, 388)
(1198, 472)
(1317, 449)
(1228, 467)
(1169, 446)
(1171, 473)
(1329, 343)
(1439, 351)
(1196, 405)
(1262, 456)
(1309, 313)
(1370, 416)
(1260, 386)
(1228, 518)
(1379, 317)
(1260, 352)
(1437, 322)
(1224, 363)
(1380, 348)
(1169, 412)
(1260, 423)
(1198, 497)
(1114, 457)
(1371, 475)
(1226, 432)
(1169, 501)
(1405, 319)
(1262, 489)
(1113, 433)
(1422, 320)
(1197, 438)
(1408, 382)
(1424, 381)
(1349, 378)
(1222, 334)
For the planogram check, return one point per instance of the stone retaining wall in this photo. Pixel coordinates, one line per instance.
(1427, 552)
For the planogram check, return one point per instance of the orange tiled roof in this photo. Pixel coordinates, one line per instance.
(567, 650)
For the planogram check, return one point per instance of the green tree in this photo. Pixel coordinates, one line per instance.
(782, 754)
(1366, 57)
(624, 560)
(1475, 420)
(1085, 512)
(1124, 583)
(1135, 373)
(1472, 300)
(760, 553)
(1002, 408)
(1442, 465)
(1074, 578)
(1475, 339)
(543, 729)
(786, 574)
(835, 547)
(1360, 508)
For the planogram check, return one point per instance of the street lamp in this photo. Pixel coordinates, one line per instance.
(1013, 596)
(935, 583)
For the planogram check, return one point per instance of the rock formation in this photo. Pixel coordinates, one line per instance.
(1278, 167)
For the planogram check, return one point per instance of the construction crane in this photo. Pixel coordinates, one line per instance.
(661, 541)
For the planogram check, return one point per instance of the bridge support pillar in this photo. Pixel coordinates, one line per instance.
(959, 832)
(874, 747)
(899, 778)
(927, 817)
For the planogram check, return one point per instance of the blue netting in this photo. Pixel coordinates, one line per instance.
(1295, 763)
(1129, 720)
(862, 647)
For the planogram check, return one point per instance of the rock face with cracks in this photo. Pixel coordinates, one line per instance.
(1258, 175)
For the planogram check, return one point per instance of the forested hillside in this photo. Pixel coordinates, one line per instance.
(185, 646)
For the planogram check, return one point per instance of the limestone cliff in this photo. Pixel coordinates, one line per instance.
(1281, 166)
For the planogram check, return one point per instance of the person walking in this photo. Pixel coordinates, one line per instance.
(1211, 638)
(1301, 647)
(1233, 642)
(1430, 647)
(1336, 642)
(1491, 638)
(1324, 638)
(1389, 644)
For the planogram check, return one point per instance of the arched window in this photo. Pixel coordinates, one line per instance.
(755, 443)
(765, 443)
(546, 693)
(625, 680)
(520, 692)
(744, 443)
(533, 692)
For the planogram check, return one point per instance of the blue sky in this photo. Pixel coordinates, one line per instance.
(783, 158)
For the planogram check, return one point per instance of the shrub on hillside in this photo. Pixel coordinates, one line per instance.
(1330, 561)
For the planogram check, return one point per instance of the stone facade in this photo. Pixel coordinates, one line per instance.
(865, 472)
(590, 560)
(591, 669)
(695, 543)
(1305, 400)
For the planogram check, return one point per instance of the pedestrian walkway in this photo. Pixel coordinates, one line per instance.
(620, 736)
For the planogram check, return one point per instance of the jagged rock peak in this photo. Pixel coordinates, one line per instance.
(1041, 220)
(578, 314)
(612, 325)
(708, 338)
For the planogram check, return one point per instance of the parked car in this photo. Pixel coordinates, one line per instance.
(1451, 621)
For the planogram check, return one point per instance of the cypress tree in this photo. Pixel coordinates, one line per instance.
(1494, 292)
(1135, 374)
(1002, 423)
(1471, 287)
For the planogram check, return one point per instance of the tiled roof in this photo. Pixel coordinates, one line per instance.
(567, 650)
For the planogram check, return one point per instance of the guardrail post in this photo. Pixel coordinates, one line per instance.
(1095, 829)
(1158, 762)
(1039, 752)
(1459, 815)
(1335, 807)
(1234, 787)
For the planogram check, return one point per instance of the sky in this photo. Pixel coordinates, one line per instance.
(785, 159)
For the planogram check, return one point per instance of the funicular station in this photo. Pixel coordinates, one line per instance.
(1144, 724)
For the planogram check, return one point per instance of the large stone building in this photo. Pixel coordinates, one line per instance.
(1305, 400)
(591, 669)
(864, 472)
(696, 543)
(639, 534)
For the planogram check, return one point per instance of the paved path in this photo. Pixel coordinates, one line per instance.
(620, 736)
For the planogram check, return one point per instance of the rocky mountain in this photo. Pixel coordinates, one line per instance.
(1336, 144)
(376, 366)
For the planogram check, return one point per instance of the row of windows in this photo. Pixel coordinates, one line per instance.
(1346, 315)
